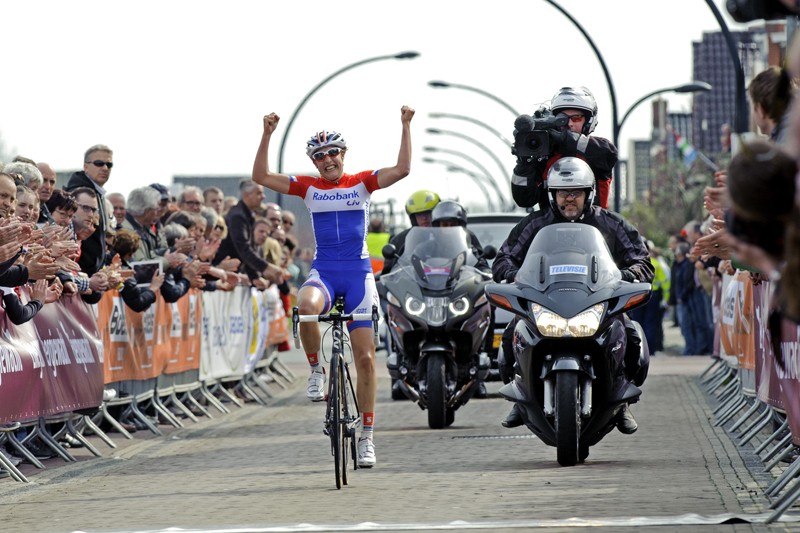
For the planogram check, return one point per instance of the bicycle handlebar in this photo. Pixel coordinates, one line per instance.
(332, 318)
(297, 318)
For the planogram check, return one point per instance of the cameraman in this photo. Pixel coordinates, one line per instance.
(578, 109)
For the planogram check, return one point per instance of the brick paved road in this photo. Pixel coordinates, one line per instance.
(266, 466)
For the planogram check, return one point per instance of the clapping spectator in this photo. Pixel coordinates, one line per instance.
(138, 298)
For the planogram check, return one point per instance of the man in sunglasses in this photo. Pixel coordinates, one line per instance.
(339, 208)
(97, 164)
(575, 140)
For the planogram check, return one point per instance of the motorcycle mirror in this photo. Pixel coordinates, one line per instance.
(489, 252)
(389, 251)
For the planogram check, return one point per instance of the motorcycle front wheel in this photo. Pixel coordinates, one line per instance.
(437, 391)
(567, 419)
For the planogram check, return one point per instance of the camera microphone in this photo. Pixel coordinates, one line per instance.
(562, 208)
(524, 123)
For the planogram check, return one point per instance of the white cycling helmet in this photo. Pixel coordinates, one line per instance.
(325, 139)
(570, 173)
(576, 98)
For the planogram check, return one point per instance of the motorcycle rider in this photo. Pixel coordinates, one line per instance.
(571, 189)
(578, 104)
(449, 213)
(419, 208)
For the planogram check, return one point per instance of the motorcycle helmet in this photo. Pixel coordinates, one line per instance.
(449, 210)
(570, 173)
(325, 139)
(420, 202)
(576, 98)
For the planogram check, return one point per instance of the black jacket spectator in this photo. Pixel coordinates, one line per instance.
(93, 249)
(12, 275)
(17, 312)
(240, 220)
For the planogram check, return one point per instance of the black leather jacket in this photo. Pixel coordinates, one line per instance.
(624, 241)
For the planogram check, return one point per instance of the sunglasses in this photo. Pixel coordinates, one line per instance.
(568, 194)
(99, 163)
(576, 118)
(319, 156)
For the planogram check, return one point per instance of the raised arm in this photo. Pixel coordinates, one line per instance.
(388, 176)
(261, 173)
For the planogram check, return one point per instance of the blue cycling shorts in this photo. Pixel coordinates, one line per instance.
(353, 280)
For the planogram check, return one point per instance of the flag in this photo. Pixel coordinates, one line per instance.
(685, 148)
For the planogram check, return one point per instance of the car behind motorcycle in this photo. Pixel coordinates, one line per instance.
(569, 341)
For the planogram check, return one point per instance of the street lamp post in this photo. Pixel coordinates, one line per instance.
(484, 125)
(476, 178)
(437, 131)
(401, 55)
(445, 85)
(692, 87)
(473, 161)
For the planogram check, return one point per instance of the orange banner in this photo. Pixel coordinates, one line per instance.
(278, 324)
(129, 340)
(179, 326)
(738, 322)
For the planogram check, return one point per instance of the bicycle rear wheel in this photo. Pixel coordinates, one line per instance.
(335, 411)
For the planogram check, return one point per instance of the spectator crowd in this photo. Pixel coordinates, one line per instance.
(80, 241)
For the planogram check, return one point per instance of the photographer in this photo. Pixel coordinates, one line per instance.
(563, 131)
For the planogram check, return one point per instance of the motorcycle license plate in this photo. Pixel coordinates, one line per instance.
(497, 340)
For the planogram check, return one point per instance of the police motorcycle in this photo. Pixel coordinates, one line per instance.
(437, 317)
(569, 341)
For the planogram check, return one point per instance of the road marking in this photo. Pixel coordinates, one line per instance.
(636, 521)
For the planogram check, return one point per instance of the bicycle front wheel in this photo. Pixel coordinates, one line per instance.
(335, 410)
(344, 420)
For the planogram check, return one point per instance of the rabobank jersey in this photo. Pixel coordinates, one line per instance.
(339, 213)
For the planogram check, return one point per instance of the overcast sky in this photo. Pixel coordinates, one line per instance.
(180, 87)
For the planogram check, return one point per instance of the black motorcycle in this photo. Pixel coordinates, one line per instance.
(437, 316)
(569, 343)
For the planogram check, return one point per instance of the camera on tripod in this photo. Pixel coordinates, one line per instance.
(531, 133)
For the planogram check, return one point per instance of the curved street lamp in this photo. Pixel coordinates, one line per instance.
(437, 131)
(476, 178)
(691, 87)
(445, 85)
(741, 107)
(492, 181)
(402, 55)
(474, 121)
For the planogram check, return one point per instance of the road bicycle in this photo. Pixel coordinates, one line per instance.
(342, 415)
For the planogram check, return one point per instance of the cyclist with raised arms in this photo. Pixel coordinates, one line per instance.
(339, 208)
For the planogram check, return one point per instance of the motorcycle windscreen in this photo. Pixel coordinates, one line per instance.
(569, 252)
(436, 255)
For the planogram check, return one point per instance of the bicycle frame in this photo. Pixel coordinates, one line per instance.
(342, 414)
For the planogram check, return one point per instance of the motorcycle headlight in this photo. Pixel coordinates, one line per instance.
(585, 324)
(414, 306)
(392, 299)
(459, 307)
(550, 324)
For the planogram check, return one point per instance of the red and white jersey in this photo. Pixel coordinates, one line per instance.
(339, 213)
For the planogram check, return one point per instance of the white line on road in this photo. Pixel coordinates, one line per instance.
(637, 521)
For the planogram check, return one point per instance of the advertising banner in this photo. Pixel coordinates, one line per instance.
(51, 364)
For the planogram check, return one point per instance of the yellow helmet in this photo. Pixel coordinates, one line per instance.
(421, 201)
